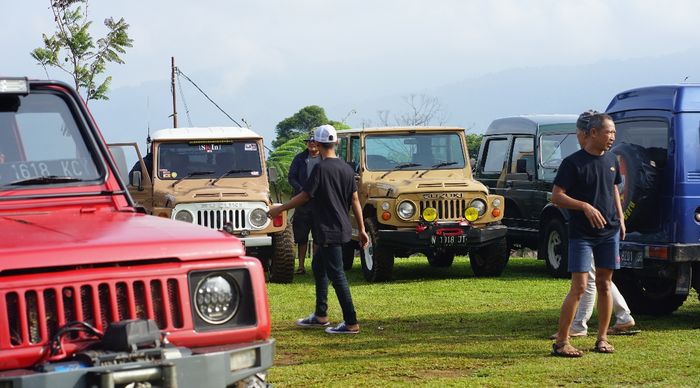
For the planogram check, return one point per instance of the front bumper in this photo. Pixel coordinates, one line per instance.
(444, 236)
(203, 368)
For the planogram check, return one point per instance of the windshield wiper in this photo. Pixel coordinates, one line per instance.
(227, 173)
(44, 180)
(193, 173)
(436, 166)
(399, 167)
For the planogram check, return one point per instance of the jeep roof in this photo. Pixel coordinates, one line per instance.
(204, 133)
(398, 129)
(527, 124)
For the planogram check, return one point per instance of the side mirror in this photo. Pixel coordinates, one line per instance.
(136, 180)
(521, 166)
(272, 174)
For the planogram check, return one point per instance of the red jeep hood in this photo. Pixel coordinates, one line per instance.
(69, 237)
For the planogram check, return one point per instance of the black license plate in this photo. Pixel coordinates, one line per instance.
(631, 259)
(449, 240)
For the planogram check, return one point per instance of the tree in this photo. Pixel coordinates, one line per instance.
(422, 110)
(73, 50)
(473, 144)
(302, 122)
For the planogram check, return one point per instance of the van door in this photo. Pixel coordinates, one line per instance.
(491, 168)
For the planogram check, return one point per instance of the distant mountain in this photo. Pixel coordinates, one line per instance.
(265, 99)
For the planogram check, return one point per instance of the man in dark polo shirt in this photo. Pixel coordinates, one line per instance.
(332, 190)
(586, 183)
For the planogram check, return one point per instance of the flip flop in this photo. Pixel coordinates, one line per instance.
(603, 346)
(565, 350)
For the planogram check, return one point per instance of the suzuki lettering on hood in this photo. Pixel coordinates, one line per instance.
(442, 195)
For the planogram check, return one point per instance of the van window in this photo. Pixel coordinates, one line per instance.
(523, 148)
(646, 133)
(554, 148)
(495, 151)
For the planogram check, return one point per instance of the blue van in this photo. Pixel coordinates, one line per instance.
(658, 146)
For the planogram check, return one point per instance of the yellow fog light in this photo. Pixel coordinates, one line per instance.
(429, 214)
(471, 214)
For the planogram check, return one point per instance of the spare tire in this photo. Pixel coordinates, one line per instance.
(639, 187)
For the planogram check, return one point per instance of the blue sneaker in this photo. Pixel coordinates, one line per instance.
(311, 321)
(342, 328)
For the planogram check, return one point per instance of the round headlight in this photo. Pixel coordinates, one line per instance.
(479, 205)
(258, 217)
(406, 210)
(184, 215)
(216, 299)
(429, 214)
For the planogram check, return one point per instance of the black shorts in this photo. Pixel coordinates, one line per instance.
(301, 224)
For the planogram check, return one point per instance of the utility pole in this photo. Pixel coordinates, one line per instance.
(172, 88)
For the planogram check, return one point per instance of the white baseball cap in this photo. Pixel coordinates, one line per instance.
(325, 134)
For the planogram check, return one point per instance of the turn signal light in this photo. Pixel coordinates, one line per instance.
(164, 215)
(386, 216)
(277, 221)
(496, 212)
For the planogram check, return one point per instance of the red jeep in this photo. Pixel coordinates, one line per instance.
(95, 293)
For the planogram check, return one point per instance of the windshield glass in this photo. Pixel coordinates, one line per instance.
(425, 150)
(41, 144)
(207, 159)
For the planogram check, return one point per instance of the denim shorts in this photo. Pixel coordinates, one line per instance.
(604, 250)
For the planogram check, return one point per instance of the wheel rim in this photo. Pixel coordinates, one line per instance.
(553, 244)
(369, 256)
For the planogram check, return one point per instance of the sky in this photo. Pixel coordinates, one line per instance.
(263, 60)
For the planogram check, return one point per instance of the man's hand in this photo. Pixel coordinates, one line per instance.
(594, 217)
(274, 211)
(623, 229)
(364, 239)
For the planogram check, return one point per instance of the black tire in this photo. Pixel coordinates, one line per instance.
(440, 259)
(282, 258)
(646, 295)
(490, 260)
(348, 255)
(555, 248)
(377, 261)
(638, 190)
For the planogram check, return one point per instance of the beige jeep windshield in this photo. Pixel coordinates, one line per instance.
(203, 159)
(413, 150)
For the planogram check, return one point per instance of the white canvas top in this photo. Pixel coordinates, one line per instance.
(196, 133)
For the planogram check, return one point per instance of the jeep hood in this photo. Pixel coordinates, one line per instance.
(223, 190)
(392, 188)
(72, 237)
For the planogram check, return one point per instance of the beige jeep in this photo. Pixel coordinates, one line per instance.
(216, 178)
(418, 196)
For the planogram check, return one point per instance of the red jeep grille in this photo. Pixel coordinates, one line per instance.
(96, 303)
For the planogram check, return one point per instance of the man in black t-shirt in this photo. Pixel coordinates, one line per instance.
(586, 184)
(332, 191)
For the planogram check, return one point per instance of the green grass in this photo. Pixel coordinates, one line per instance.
(444, 327)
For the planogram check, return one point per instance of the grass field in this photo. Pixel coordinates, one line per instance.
(444, 327)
